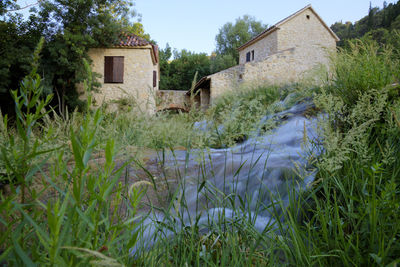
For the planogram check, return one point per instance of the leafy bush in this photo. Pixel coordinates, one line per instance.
(63, 213)
(350, 216)
(352, 213)
(362, 67)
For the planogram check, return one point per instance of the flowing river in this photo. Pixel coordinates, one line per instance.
(253, 181)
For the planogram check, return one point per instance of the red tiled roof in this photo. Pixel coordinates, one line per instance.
(132, 40)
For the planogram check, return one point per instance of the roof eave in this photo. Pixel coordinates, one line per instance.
(258, 37)
(324, 24)
(198, 84)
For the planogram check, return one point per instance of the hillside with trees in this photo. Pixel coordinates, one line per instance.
(379, 24)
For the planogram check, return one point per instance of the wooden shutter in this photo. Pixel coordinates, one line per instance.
(108, 69)
(247, 56)
(118, 72)
(154, 78)
(113, 69)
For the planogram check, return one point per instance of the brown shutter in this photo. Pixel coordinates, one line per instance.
(247, 56)
(108, 69)
(118, 71)
(154, 78)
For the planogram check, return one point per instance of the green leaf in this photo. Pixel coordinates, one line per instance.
(20, 252)
(43, 236)
(109, 151)
(76, 149)
(376, 258)
(87, 155)
(86, 218)
(133, 240)
(393, 263)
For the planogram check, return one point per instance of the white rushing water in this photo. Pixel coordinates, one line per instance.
(253, 180)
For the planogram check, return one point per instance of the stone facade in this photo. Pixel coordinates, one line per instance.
(262, 49)
(140, 74)
(172, 100)
(280, 68)
(283, 54)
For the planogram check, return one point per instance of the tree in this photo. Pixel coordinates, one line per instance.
(378, 24)
(6, 5)
(231, 36)
(137, 28)
(17, 42)
(71, 28)
(221, 62)
(165, 55)
(182, 69)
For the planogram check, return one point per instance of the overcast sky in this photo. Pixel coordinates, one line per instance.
(193, 24)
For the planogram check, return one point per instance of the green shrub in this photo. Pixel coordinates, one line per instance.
(352, 212)
(362, 67)
(63, 214)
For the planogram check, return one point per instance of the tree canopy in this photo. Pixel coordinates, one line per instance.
(378, 24)
(70, 28)
(179, 73)
(231, 36)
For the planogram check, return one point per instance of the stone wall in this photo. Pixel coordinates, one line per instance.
(281, 68)
(204, 98)
(262, 48)
(224, 81)
(138, 78)
(309, 37)
(304, 31)
(298, 45)
(172, 99)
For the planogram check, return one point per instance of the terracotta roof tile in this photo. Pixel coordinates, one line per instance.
(132, 40)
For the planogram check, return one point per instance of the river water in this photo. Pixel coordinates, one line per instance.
(253, 181)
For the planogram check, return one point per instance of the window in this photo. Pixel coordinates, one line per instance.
(154, 78)
(308, 16)
(250, 56)
(113, 69)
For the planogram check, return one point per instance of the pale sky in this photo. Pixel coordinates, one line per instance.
(193, 24)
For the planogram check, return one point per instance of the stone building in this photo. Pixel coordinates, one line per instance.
(281, 54)
(129, 72)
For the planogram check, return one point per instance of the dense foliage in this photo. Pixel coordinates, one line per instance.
(61, 206)
(178, 73)
(231, 36)
(70, 28)
(378, 25)
(349, 217)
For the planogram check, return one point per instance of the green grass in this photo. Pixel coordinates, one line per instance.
(58, 207)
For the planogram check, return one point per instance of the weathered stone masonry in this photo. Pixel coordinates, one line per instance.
(282, 54)
(140, 69)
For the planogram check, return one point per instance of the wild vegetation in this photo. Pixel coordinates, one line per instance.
(60, 207)
(67, 197)
(378, 25)
(70, 28)
(179, 70)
